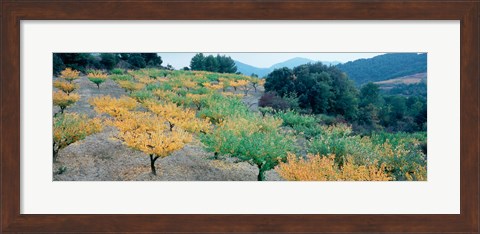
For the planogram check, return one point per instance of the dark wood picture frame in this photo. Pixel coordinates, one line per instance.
(14, 11)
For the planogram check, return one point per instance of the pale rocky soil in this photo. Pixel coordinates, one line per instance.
(100, 157)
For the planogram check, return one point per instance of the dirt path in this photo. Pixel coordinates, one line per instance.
(100, 157)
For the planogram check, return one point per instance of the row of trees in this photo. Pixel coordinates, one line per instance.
(320, 89)
(219, 63)
(84, 61)
(167, 109)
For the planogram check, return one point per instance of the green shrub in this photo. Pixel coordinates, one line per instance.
(117, 71)
(161, 86)
(212, 77)
(292, 119)
(218, 108)
(116, 77)
(400, 152)
(302, 124)
(90, 70)
(141, 95)
(326, 119)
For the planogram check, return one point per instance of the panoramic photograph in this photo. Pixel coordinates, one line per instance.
(239, 116)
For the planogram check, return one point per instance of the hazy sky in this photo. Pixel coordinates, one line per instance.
(264, 60)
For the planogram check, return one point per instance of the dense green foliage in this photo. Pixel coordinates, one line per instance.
(320, 89)
(58, 64)
(104, 61)
(384, 67)
(419, 89)
(108, 60)
(306, 125)
(76, 61)
(219, 63)
(326, 90)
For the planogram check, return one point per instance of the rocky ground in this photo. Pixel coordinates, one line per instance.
(100, 157)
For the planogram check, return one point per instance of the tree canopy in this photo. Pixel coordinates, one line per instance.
(219, 63)
(321, 89)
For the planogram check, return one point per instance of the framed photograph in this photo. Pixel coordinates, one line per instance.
(239, 116)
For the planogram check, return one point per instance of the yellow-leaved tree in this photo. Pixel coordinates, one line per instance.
(225, 83)
(113, 106)
(243, 84)
(189, 84)
(197, 99)
(63, 100)
(71, 127)
(324, 168)
(177, 116)
(66, 87)
(62, 97)
(257, 82)
(148, 133)
(130, 86)
(97, 77)
(69, 74)
(236, 84)
(212, 86)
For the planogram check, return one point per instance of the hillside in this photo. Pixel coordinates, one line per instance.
(291, 63)
(385, 67)
(158, 124)
(404, 80)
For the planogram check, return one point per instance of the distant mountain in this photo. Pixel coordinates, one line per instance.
(247, 69)
(291, 63)
(385, 67)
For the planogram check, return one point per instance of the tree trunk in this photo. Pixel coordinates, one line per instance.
(261, 173)
(55, 155)
(98, 86)
(152, 163)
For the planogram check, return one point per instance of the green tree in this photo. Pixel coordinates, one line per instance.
(398, 107)
(345, 94)
(198, 62)
(369, 113)
(136, 61)
(280, 81)
(370, 94)
(211, 64)
(152, 59)
(58, 64)
(77, 61)
(226, 64)
(108, 60)
(252, 139)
